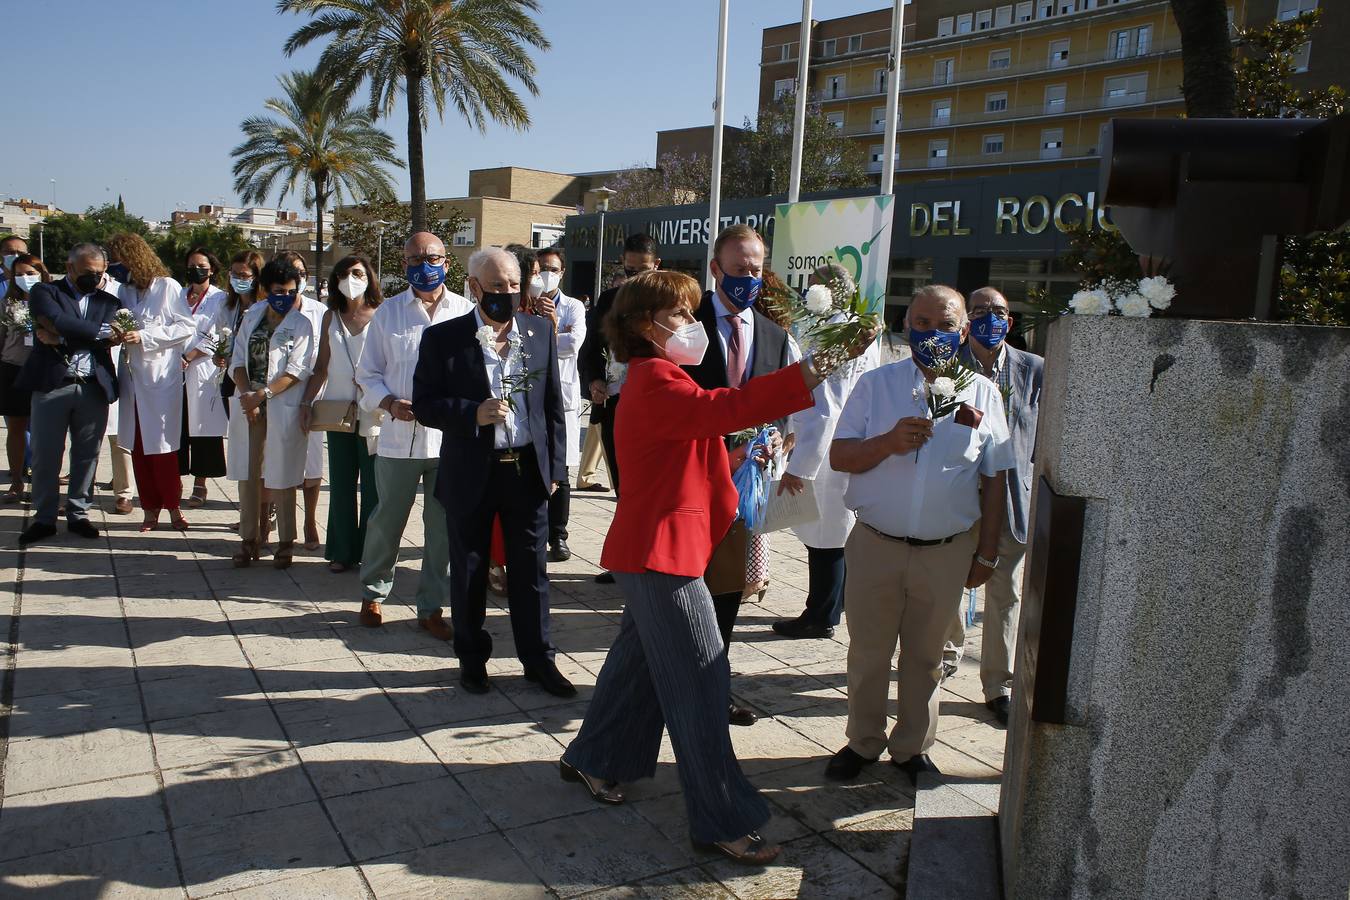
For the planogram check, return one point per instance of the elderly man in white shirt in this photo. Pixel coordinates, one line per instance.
(930, 503)
(569, 321)
(407, 453)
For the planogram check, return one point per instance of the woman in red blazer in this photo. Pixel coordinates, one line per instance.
(668, 665)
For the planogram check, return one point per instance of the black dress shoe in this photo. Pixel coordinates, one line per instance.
(473, 678)
(916, 764)
(82, 527)
(739, 715)
(605, 578)
(547, 676)
(594, 489)
(38, 531)
(559, 552)
(999, 706)
(845, 765)
(801, 627)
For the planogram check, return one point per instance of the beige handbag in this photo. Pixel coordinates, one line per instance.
(337, 415)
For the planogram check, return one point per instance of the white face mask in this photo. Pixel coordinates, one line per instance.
(536, 285)
(26, 282)
(241, 285)
(551, 281)
(302, 285)
(9, 259)
(353, 287)
(686, 344)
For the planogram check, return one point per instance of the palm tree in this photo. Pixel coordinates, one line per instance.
(318, 139)
(1207, 76)
(459, 52)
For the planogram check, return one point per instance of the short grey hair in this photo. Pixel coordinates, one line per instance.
(482, 258)
(88, 248)
(941, 292)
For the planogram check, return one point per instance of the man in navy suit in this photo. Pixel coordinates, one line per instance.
(489, 381)
(70, 373)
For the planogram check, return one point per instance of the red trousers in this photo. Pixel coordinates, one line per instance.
(157, 480)
(498, 549)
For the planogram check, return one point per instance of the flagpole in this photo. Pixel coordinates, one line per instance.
(719, 117)
(893, 97)
(799, 115)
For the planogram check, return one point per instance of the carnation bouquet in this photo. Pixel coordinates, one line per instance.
(518, 382)
(125, 320)
(831, 317)
(18, 316)
(951, 378)
(221, 348)
(1111, 296)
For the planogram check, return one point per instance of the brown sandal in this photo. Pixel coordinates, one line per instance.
(758, 853)
(248, 552)
(607, 793)
(284, 555)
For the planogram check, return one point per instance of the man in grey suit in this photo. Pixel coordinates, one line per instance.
(1018, 376)
(70, 373)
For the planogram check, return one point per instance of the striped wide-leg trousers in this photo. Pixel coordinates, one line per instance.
(668, 667)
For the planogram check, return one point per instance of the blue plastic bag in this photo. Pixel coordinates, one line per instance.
(751, 483)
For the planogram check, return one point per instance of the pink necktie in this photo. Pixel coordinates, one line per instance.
(735, 354)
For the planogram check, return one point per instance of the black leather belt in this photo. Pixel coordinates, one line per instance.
(512, 454)
(913, 542)
(74, 379)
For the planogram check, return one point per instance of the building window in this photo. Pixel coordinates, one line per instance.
(879, 81)
(877, 154)
(834, 87)
(937, 154)
(1000, 59)
(993, 144)
(942, 112)
(878, 119)
(1292, 9)
(965, 23)
(1301, 57)
(1052, 143)
(1131, 42)
(1024, 11)
(946, 27)
(984, 20)
(1045, 9)
(1124, 90)
(784, 86)
(1055, 95)
(1003, 16)
(942, 71)
(835, 120)
(1065, 7)
(855, 43)
(996, 102)
(827, 47)
(1059, 54)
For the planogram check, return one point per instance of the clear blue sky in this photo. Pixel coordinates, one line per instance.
(144, 97)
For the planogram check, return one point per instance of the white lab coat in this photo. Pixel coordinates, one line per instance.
(571, 335)
(810, 460)
(206, 408)
(151, 377)
(291, 351)
(112, 286)
(314, 310)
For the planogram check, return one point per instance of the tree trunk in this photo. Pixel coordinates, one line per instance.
(320, 201)
(416, 173)
(1209, 82)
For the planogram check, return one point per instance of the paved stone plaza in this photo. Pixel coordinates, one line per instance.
(177, 726)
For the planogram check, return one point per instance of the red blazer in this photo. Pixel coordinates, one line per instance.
(678, 500)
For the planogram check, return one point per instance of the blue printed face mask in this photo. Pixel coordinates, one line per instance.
(931, 348)
(425, 276)
(119, 272)
(281, 303)
(741, 290)
(989, 329)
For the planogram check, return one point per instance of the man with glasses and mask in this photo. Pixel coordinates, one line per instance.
(489, 382)
(70, 373)
(11, 248)
(1018, 376)
(406, 452)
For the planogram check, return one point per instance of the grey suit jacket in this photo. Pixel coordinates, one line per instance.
(1025, 371)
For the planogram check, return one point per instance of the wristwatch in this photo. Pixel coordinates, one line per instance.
(987, 563)
(267, 393)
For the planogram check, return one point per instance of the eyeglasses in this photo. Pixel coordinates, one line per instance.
(557, 270)
(434, 259)
(999, 312)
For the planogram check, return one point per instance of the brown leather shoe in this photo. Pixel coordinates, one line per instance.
(122, 507)
(371, 614)
(436, 624)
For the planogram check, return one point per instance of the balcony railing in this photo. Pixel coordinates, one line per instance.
(1007, 158)
(968, 76)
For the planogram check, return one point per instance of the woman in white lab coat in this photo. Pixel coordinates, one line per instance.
(201, 451)
(314, 310)
(810, 461)
(273, 357)
(150, 381)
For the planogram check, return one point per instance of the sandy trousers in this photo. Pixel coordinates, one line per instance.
(1002, 606)
(896, 592)
(121, 469)
(250, 492)
(592, 452)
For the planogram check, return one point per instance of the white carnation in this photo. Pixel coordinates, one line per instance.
(944, 388)
(1091, 303)
(1134, 305)
(819, 300)
(486, 337)
(1158, 291)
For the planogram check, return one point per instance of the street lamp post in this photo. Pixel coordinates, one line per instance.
(53, 194)
(42, 242)
(602, 195)
(381, 224)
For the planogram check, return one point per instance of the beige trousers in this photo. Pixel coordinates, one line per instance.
(1002, 605)
(896, 592)
(251, 492)
(121, 469)
(592, 452)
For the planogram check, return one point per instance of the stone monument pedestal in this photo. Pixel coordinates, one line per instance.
(1181, 712)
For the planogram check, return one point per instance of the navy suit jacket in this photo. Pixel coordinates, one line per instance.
(451, 382)
(58, 304)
